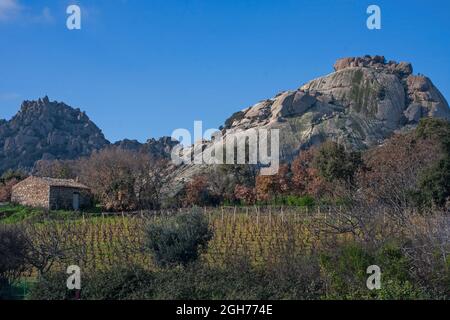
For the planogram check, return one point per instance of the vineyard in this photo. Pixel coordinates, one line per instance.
(272, 252)
(264, 235)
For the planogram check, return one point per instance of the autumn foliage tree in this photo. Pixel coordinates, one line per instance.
(305, 177)
(59, 169)
(245, 195)
(198, 193)
(272, 186)
(393, 170)
(7, 181)
(123, 180)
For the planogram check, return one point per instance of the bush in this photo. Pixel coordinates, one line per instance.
(52, 286)
(434, 184)
(238, 279)
(120, 283)
(345, 271)
(5, 289)
(305, 201)
(179, 239)
(13, 249)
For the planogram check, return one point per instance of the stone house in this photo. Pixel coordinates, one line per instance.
(52, 194)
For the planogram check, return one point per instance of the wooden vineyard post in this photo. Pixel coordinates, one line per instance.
(206, 214)
(340, 216)
(329, 212)
(222, 214)
(234, 214)
(257, 216)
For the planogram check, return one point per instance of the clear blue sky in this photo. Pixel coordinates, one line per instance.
(141, 69)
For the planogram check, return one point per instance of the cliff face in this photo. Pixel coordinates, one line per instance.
(47, 130)
(364, 101)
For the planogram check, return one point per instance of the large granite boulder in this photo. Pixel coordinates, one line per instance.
(363, 102)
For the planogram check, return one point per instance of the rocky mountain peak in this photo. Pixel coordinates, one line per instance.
(45, 129)
(403, 69)
(365, 91)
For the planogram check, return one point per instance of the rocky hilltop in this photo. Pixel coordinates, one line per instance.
(156, 148)
(360, 104)
(47, 130)
(363, 102)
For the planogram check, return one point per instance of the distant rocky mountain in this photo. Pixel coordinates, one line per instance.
(47, 130)
(157, 148)
(363, 102)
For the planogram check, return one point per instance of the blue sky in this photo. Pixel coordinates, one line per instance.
(141, 69)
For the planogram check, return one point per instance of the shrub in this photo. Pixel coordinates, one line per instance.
(305, 201)
(119, 283)
(434, 184)
(238, 279)
(179, 239)
(13, 249)
(5, 289)
(345, 271)
(397, 282)
(52, 286)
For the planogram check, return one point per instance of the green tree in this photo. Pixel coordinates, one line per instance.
(434, 182)
(335, 163)
(178, 240)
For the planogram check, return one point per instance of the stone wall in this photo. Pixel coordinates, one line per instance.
(62, 198)
(31, 193)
